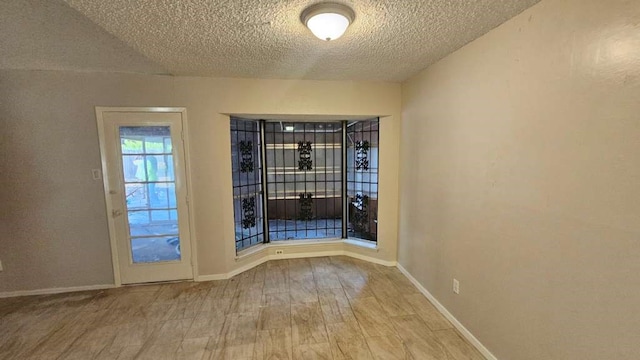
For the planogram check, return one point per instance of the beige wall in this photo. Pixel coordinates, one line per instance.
(521, 178)
(53, 231)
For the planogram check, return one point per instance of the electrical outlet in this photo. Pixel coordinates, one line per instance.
(456, 286)
(96, 174)
(279, 252)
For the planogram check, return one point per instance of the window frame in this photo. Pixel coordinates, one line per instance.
(261, 205)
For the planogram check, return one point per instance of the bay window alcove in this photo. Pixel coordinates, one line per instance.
(304, 180)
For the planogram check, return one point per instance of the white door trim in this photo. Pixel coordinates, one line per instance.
(105, 181)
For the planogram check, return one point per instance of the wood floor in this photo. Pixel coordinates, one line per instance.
(317, 308)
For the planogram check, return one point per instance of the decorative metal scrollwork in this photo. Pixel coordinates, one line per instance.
(249, 212)
(362, 155)
(305, 163)
(361, 215)
(306, 204)
(246, 156)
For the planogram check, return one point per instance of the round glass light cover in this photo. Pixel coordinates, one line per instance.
(328, 26)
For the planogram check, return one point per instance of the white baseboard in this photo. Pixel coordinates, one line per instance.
(370, 259)
(307, 255)
(463, 330)
(266, 258)
(334, 253)
(210, 277)
(49, 291)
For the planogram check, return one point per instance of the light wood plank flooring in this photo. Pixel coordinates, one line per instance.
(317, 308)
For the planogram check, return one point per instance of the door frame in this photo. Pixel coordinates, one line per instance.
(105, 181)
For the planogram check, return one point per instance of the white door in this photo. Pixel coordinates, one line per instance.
(146, 190)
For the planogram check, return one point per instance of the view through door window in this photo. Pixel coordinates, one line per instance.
(150, 193)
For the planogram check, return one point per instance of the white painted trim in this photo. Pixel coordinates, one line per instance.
(463, 330)
(100, 110)
(341, 243)
(267, 257)
(223, 276)
(246, 267)
(60, 290)
(307, 255)
(370, 259)
(211, 277)
(139, 109)
(109, 204)
(190, 197)
(235, 272)
(362, 244)
(251, 251)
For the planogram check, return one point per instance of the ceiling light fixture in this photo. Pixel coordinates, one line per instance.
(327, 21)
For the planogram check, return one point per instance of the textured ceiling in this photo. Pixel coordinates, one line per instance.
(49, 35)
(389, 40)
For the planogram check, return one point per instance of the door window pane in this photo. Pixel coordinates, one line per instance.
(150, 193)
(155, 249)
